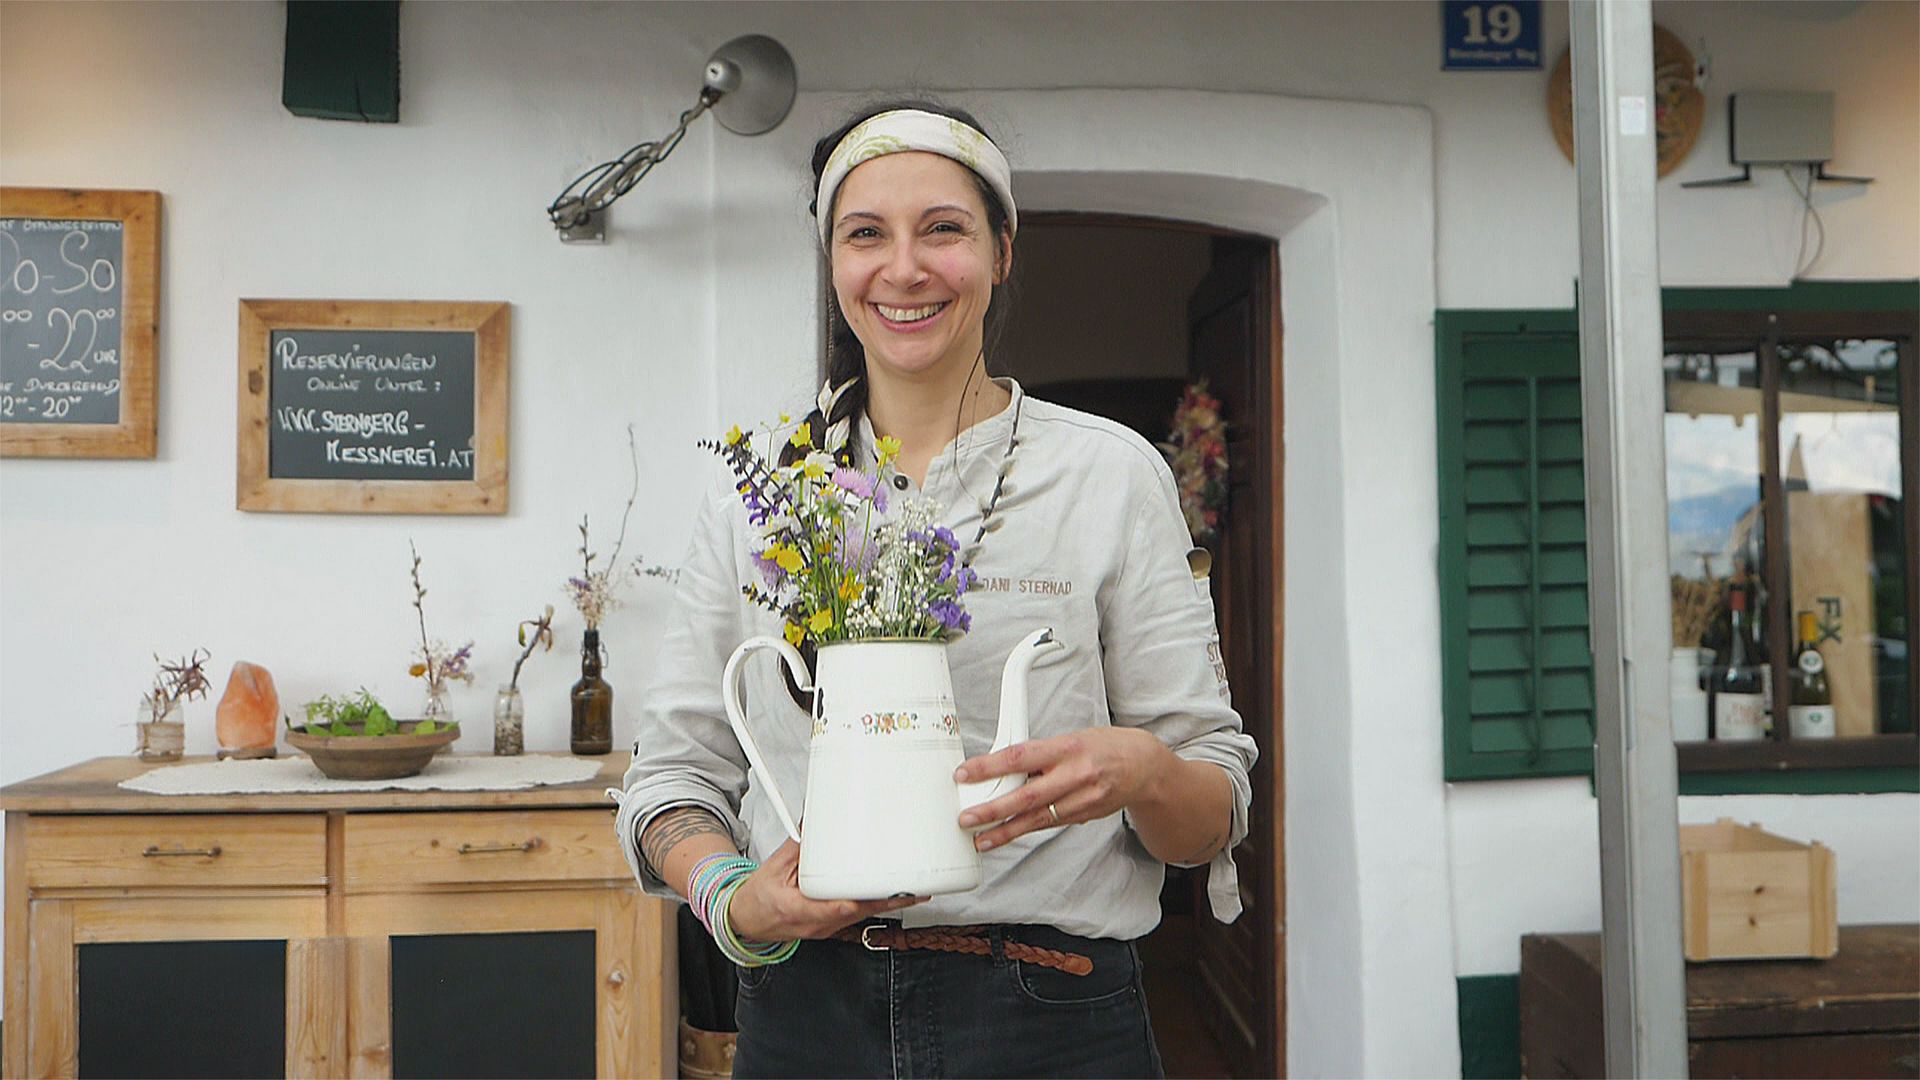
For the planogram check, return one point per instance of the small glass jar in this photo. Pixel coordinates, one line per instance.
(509, 722)
(164, 739)
(439, 707)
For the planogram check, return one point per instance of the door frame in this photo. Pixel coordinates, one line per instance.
(1270, 737)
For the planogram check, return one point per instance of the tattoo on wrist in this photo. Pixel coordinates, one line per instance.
(671, 829)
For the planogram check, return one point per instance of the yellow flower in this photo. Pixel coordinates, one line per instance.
(734, 435)
(820, 622)
(417, 670)
(802, 435)
(785, 557)
(889, 448)
(795, 634)
(812, 469)
(785, 419)
(851, 588)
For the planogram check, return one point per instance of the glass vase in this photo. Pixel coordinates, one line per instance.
(164, 739)
(592, 702)
(509, 722)
(439, 707)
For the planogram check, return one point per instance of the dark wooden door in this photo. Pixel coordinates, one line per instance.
(1234, 334)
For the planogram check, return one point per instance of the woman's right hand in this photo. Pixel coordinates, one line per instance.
(770, 906)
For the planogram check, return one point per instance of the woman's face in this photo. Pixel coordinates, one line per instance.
(914, 262)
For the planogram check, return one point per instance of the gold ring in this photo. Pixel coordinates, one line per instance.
(1054, 812)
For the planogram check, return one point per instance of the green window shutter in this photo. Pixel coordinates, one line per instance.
(1517, 676)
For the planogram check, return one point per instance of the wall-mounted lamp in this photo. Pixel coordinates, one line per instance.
(749, 88)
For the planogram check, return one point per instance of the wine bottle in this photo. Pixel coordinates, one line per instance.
(1739, 712)
(1811, 714)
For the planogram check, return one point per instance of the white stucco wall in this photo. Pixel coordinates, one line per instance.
(1446, 191)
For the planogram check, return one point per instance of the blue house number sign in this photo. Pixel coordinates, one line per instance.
(1478, 35)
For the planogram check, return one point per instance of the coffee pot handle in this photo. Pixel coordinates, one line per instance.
(730, 693)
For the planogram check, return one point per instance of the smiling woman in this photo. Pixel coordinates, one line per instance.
(1136, 759)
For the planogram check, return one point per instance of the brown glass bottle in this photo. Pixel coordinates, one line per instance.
(592, 702)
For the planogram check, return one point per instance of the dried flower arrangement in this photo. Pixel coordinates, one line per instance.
(834, 564)
(595, 593)
(437, 664)
(534, 634)
(183, 680)
(1696, 602)
(1197, 451)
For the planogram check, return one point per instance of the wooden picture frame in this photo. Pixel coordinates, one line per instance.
(257, 488)
(133, 435)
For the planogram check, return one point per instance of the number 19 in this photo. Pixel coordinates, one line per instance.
(1499, 23)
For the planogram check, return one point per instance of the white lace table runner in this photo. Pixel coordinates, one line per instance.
(299, 774)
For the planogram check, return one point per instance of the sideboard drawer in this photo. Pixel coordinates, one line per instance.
(113, 851)
(385, 851)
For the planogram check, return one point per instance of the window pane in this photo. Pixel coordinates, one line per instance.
(1714, 519)
(1840, 467)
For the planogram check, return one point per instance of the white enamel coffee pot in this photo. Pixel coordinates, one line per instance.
(882, 810)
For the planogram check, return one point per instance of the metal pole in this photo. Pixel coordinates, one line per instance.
(1623, 401)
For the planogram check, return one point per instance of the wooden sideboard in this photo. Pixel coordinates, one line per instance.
(1854, 1015)
(349, 882)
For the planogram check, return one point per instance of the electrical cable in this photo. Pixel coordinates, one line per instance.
(1807, 211)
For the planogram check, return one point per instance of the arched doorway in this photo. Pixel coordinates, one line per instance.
(1117, 315)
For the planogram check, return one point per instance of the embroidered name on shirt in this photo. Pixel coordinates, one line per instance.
(1041, 586)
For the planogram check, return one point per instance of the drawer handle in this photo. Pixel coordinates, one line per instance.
(154, 851)
(483, 849)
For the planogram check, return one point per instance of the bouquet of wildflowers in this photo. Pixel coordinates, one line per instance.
(596, 592)
(836, 562)
(1197, 452)
(437, 664)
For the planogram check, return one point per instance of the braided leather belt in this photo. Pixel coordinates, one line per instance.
(973, 940)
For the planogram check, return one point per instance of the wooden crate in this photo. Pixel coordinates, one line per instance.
(1748, 895)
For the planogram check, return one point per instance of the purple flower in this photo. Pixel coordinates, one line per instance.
(967, 579)
(770, 571)
(855, 481)
(950, 614)
(945, 536)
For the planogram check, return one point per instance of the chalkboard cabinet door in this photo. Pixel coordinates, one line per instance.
(333, 944)
(83, 982)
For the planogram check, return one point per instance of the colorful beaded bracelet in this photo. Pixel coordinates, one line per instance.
(710, 890)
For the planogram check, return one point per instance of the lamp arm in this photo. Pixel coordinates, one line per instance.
(607, 182)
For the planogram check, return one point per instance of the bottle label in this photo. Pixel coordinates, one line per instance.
(1810, 721)
(1811, 662)
(1739, 717)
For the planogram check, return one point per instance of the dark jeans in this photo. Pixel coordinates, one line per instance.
(839, 1009)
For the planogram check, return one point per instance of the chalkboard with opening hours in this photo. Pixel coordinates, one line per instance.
(78, 300)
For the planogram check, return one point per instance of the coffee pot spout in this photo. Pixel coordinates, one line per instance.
(1014, 726)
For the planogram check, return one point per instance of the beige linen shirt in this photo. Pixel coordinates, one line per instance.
(1090, 541)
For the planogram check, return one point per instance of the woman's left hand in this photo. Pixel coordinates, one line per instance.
(1073, 778)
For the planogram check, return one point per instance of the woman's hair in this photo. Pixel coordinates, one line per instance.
(846, 358)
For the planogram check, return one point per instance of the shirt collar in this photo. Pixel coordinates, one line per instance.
(988, 437)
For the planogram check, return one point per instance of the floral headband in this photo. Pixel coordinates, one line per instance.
(911, 129)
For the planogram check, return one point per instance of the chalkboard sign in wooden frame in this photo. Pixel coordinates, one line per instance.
(373, 407)
(79, 334)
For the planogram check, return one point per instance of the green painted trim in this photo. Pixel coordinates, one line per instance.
(1800, 296)
(1864, 781)
(1489, 1026)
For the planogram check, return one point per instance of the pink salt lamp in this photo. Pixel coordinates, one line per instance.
(247, 720)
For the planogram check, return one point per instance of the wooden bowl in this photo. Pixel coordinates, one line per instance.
(376, 757)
